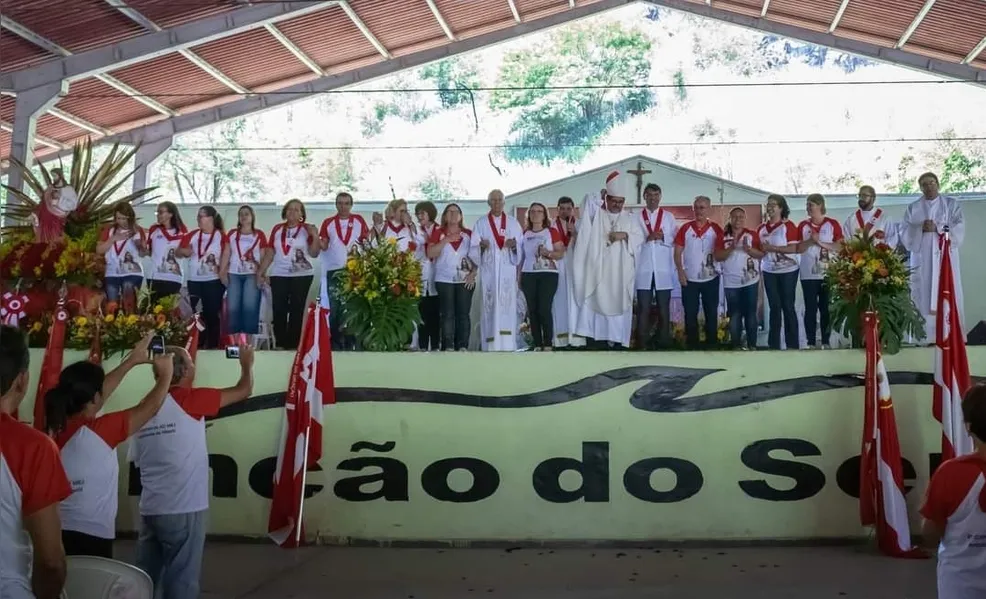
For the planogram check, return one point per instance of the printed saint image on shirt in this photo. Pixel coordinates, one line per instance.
(169, 264)
(543, 262)
(129, 264)
(750, 273)
(249, 264)
(209, 266)
(709, 267)
(822, 263)
(463, 270)
(783, 260)
(300, 262)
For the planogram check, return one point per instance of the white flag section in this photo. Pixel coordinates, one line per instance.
(310, 387)
(952, 378)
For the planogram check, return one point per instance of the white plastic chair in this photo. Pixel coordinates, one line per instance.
(100, 578)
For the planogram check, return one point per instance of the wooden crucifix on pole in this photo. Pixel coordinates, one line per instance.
(639, 172)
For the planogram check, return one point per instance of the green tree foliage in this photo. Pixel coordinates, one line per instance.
(324, 172)
(451, 76)
(436, 187)
(208, 166)
(564, 124)
(959, 164)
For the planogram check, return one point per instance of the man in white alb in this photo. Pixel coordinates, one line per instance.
(170, 452)
(921, 232)
(604, 266)
(496, 235)
(655, 269)
(871, 218)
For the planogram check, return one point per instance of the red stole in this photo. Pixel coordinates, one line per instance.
(499, 234)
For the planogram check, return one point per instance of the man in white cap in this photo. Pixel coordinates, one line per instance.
(604, 266)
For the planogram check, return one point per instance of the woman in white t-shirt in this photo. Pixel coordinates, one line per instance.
(205, 248)
(122, 244)
(456, 261)
(779, 241)
(291, 248)
(820, 240)
(540, 249)
(429, 331)
(88, 441)
(739, 253)
(163, 239)
(955, 510)
(238, 271)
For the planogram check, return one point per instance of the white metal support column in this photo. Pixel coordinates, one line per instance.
(28, 106)
(147, 154)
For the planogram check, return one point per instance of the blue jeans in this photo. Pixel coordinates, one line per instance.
(170, 549)
(742, 304)
(243, 304)
(708, 294)
(780, 290)
(115, 285)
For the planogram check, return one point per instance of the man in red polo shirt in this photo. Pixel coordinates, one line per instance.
(32, 483)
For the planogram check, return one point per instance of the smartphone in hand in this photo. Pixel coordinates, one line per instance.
(156, 347)
(233, 352)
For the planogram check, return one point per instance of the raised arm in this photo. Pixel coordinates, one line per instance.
(138, 355)
(243, 387)
(139, 415)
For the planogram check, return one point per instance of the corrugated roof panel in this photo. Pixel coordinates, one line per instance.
(954, 26)
(328, 37)
(76, 26)
(883, 18)
(172, 80)
(7, 108)
(526, 8)
(98, 103)
(745, 6)
(18, 53)
(168, 13)
(56, 128)
(252, 58)
(818, 11)
(398, 25)
(466, 17)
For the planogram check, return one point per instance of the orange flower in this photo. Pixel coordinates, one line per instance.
(883, 271)
(112, 307)
(395, 289)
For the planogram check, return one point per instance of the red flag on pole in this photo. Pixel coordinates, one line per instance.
(882, 464)
(310, 387)
(51, 365)
(952, 378)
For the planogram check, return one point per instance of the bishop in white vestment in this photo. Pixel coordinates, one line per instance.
(497, 236)
(604, 268)
(921, 232)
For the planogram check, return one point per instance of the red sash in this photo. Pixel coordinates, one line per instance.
(868, 225)
(207, 246)
(499, 234)
(660, 217)
(816, 228)
(249, 252)
(700, 232)
(119, 247)
(284, 238)
(562, 230)
(169, 236)
(455, 244)
(349, 231)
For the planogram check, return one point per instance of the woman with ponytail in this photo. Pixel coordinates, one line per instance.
(88, 442)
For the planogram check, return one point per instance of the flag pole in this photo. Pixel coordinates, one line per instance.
(308, 431)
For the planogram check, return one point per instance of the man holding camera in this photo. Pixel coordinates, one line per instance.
(171, 453)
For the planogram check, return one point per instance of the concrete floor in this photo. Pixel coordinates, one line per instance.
(257, 571)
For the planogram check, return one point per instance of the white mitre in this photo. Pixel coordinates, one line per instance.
(618, 185)
(68, 200)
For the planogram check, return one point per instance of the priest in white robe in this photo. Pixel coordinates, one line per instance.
(604, 266)
(497, 236)
(921, 231)
(871, 218)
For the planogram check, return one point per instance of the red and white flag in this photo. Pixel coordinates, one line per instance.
(310, 387)
(881, 489)
(51, 365)
(952, 378)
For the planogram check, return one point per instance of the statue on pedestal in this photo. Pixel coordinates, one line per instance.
(58, 201)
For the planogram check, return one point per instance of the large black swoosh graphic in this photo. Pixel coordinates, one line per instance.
(663, 391)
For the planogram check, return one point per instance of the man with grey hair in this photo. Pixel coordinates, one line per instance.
(170, 452)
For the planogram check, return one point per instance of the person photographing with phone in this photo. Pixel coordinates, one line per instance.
(171, 453)
(88, 442)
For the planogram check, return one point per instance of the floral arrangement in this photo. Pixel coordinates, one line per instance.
(378, 291)
(118, 330)
(722, 333)
(75, 261)
(868, 275)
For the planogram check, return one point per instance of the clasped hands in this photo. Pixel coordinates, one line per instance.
(929, 226)
(615, 236)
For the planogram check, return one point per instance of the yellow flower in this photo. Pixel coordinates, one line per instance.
(81, 321)
(109, 318)
(37, 271)
(132, 319)
(158, 309)
(36, 326)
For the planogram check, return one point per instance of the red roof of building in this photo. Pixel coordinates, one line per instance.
(336, 38)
